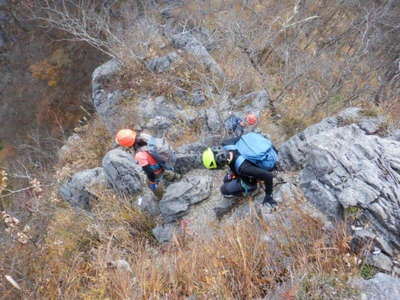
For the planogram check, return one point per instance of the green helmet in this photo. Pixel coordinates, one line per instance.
(209, 159)
(215, 157)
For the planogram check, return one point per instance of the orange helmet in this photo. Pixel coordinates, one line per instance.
(126, 138)
(251, 119)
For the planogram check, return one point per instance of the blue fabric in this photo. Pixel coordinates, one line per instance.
(255, 148)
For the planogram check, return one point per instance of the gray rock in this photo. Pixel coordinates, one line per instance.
(364, 237)
(122, 172)
(292, 152)
(4, 18)
(158, 125)
(380, 261)
(64, 150)
(76, 190)
(395, 135)
(226, 205)
(344, 167)
(188, 157)
(106, 100)
(164, 232)
(158, 107)
(181, 195)
(120, 264)
(371, 125)
(197, 98)
(3, 3)
(162, 64)
(214, 123)
(3, 39)
(190, 44)
(285, 192)
(148, 203)
(254, 102)
(380, 287)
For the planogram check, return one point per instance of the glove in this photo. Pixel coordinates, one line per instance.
(153, 186)
(268, 200)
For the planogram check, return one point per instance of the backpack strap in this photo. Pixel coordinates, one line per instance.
(239, 160)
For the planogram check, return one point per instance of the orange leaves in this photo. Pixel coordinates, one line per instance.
(43, 70)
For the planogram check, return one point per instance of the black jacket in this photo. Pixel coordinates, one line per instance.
(249, 172)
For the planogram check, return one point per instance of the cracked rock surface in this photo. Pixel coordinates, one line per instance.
(344, 165)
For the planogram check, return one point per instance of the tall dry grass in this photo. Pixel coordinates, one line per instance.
(250, 259)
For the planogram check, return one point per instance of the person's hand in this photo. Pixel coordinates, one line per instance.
(153, 186)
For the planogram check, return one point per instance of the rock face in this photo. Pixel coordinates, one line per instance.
(344, 165)
(380, 287)
(190, 44)
(76, 191)
(292, 153)
(181, 195)
(106, 100)
(122, 172)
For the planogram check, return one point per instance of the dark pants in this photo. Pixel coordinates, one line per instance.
(234, 187)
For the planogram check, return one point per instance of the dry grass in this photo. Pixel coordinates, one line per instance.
(288, 255)
(247, 260)
(86, 152)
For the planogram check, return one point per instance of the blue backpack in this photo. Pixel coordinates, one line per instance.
(255, 148)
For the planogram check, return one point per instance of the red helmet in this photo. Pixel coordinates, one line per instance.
(126, 138)
(251, 119)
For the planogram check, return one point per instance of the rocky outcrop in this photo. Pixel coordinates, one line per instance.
(187, 42)
(181, 195)
(122, 172)
(105, 98)
(292, 154)
(76, 190)
(344, 166)
(380, 287)
(163, 63)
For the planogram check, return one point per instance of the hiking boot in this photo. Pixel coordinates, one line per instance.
(268, 200)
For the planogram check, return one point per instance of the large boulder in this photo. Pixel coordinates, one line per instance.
(380, 287)
(122, 172)
(181, 195)
(345, 167)
(77, 190)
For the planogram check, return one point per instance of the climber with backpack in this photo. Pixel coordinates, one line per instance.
(154, 155)
(251, 158)
(235, 126)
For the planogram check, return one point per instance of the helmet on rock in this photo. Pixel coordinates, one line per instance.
(215, 157)
(126, 138)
